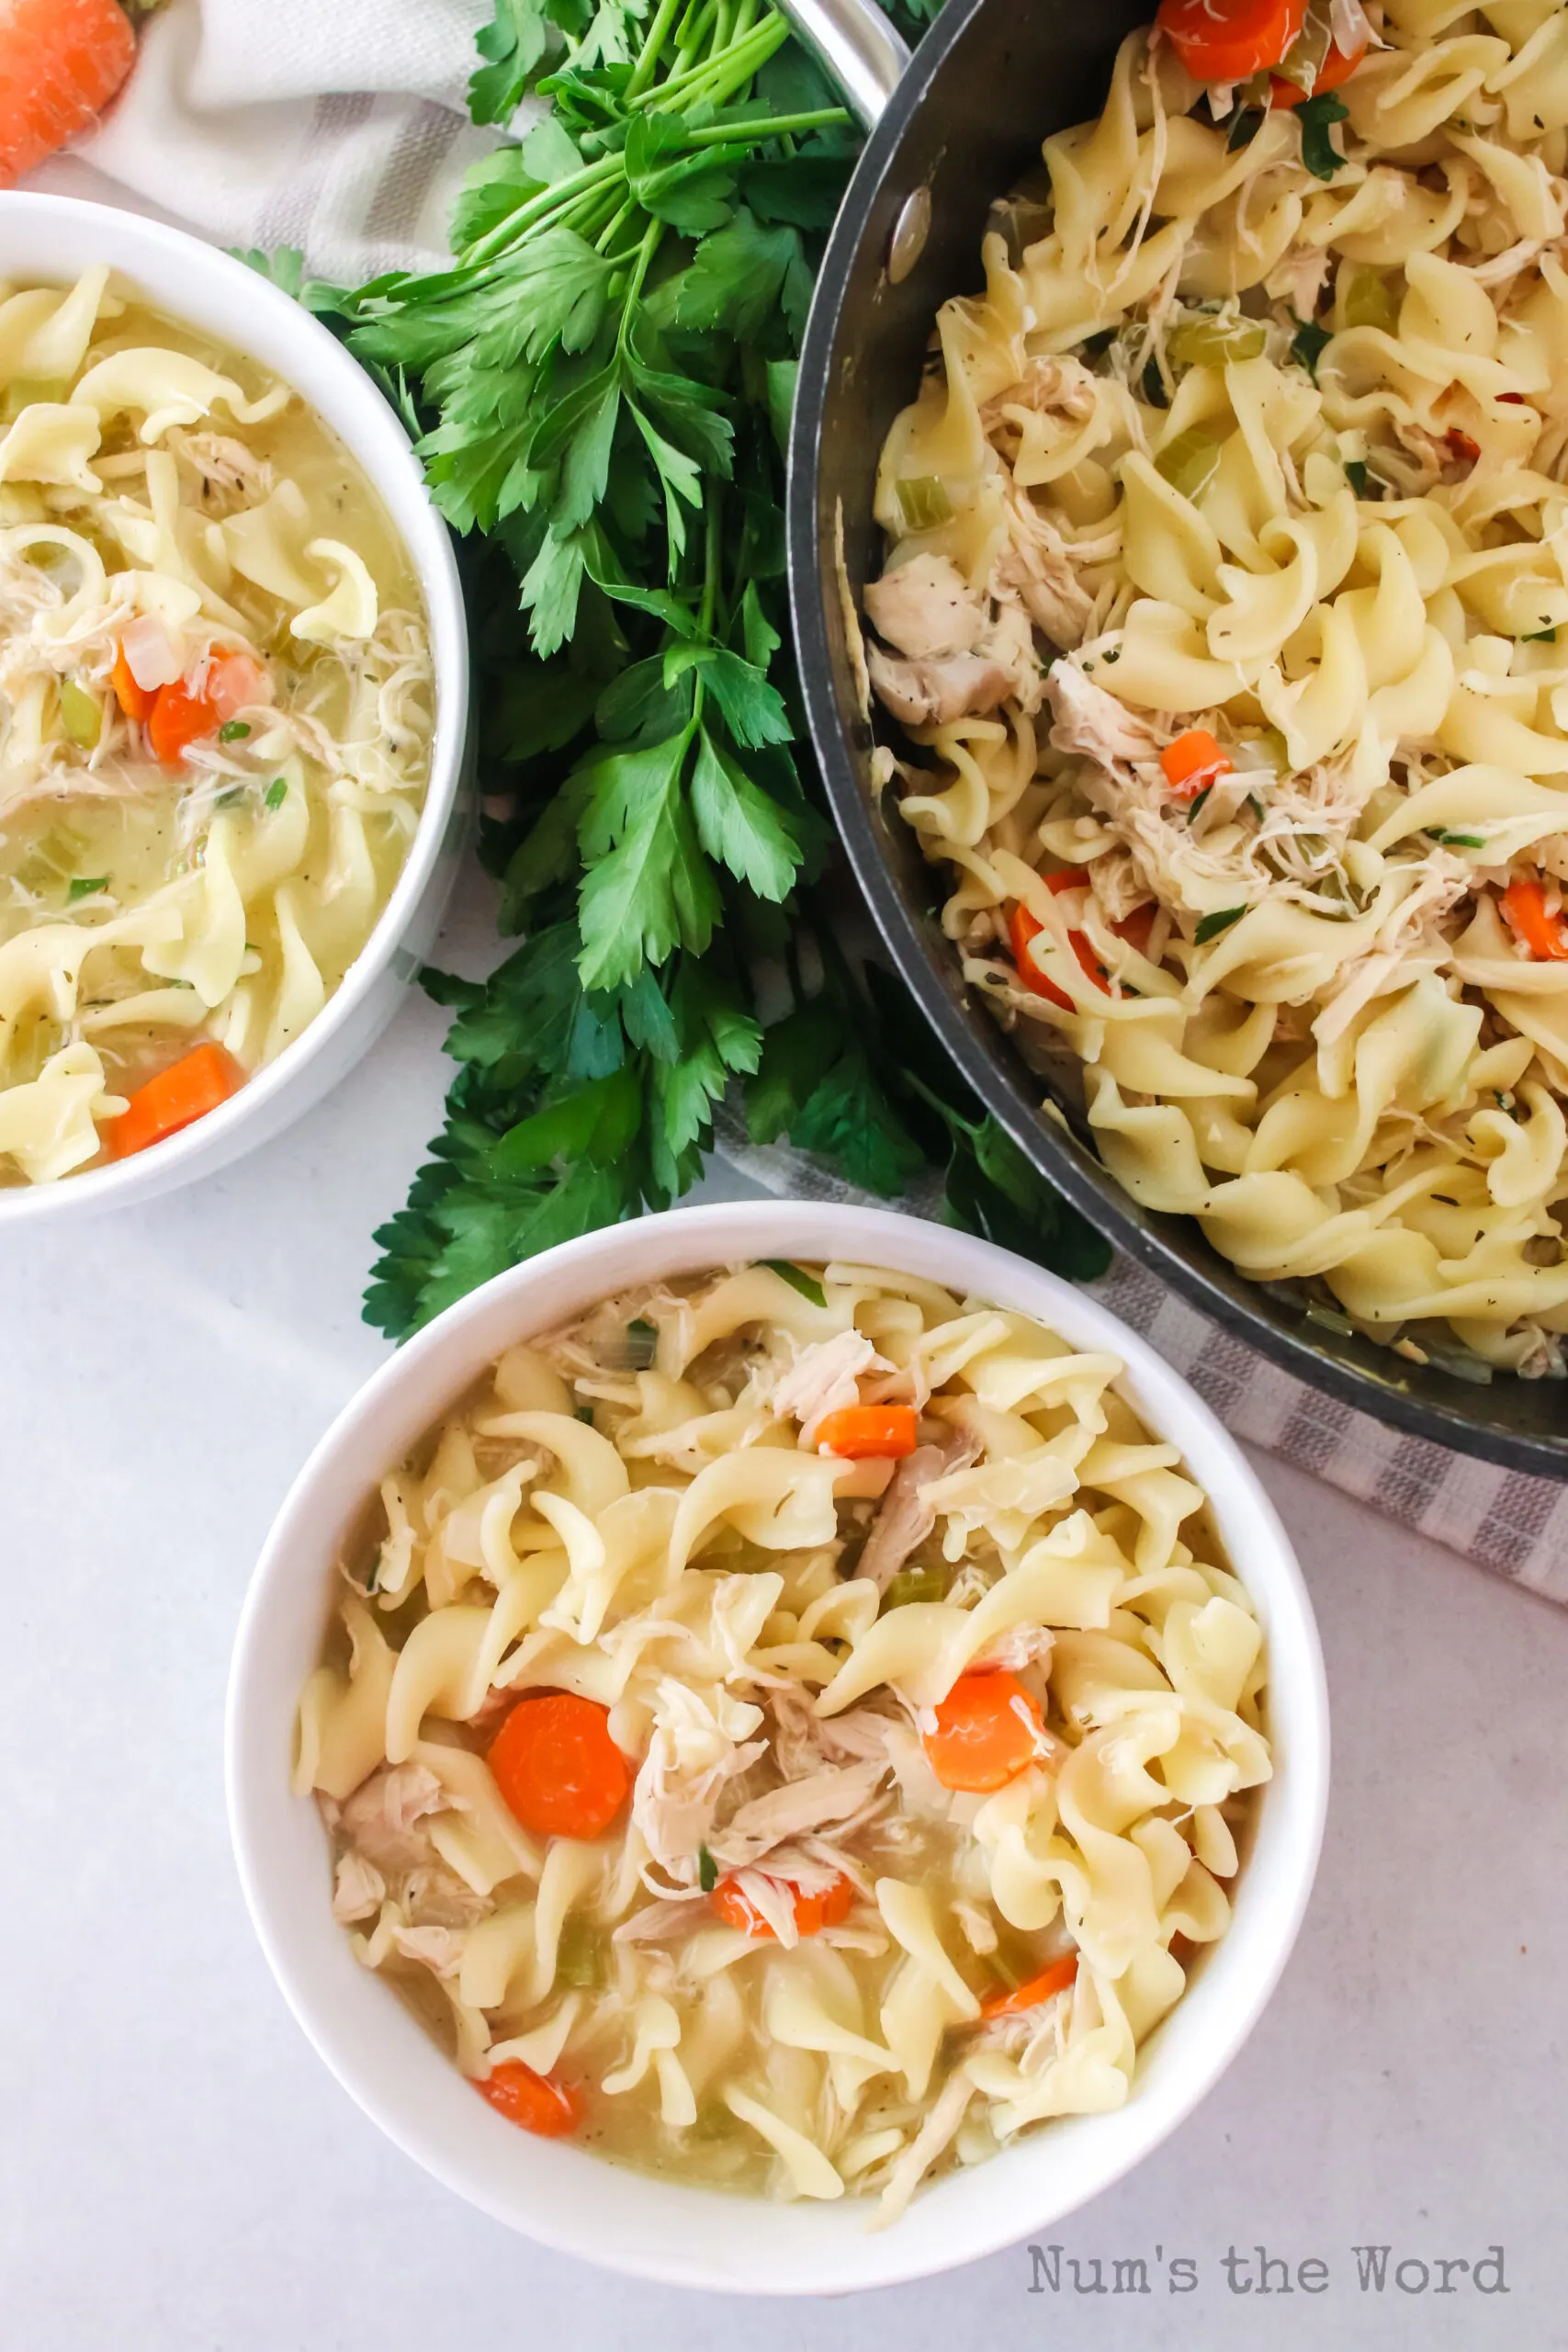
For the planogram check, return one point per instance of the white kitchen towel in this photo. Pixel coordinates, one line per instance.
(337, 126)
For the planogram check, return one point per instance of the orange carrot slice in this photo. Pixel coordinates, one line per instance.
(869, 1432)
(1227, 40)
(987, 1730)
(557, 1768)
(61, 62)
(1191, 762)
(534, 2102)
(1029, 1996)
(1533, 925)
(812, 1912)
(135, 701)
(188, 1090)
(1337, 67)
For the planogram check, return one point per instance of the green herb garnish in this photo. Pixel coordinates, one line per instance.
(798, 1278)
(85, 887)
(1197, 802)
(708, 1871)
(276, 792)
(1540, 637)
(1355, 475)
(1210, 926)
(642, 1343)
(1255, 806)
(1245, 124)
(1456, 840)
(233, 731)
(1307, 346)
(601, 384)
(1317, 117)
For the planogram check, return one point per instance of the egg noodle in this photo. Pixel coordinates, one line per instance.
(1226, 616)
(215, 719)
(789, 1729)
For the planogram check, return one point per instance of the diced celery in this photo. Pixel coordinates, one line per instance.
(1368, 302)
(924, 503)
(1214, 343)
(913, 1584)
(579, 1958)
(81, 715)
(1189, 461)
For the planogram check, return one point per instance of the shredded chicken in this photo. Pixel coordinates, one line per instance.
(381, 1819)
(926, 609)
(839, 1796)
(1094, 724)
(903, 1519)
(825, 1378)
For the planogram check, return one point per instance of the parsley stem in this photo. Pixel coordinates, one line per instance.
(768, 126)
(699, 15)
(711, 559)
(496, 241)
(657, 34)
(607, 236)
(727, 70)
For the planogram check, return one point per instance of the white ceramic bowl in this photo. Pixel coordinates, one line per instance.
(49, 240)
(557, 2193)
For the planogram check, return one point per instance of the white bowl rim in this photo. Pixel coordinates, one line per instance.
(429, 547)
(1285, 1845)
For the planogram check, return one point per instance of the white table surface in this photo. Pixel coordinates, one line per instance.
(179, 2173)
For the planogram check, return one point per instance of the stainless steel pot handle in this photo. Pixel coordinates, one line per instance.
(857, 46)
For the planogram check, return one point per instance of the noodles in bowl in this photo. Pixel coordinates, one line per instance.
(217, 711)
(790, 1728)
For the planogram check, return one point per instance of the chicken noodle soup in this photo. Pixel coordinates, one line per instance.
(1226, 615)
(791, 1730)
(216, 709)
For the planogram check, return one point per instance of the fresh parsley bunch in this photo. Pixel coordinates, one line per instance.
(601, 385)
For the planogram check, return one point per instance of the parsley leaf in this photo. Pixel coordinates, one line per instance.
(1317, 117)
(276, 792)
(84, 887)
(1210, 926)
(1307, 346)
(798, 1278)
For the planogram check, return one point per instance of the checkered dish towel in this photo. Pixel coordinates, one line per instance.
(338, 126)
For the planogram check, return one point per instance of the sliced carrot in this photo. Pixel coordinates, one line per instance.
(1337, 67)
(188, 1090)
(62, 62)
(812, 1912)
(869, 1432)
(135, 701)
(1070, 877)
(1194, 761)
(986, 1732)
(180, 718)
(1136, 927)
(1227, 40)
(534, 2102)
(557, 1768)
(1049, 1981)
(1532, 922)
(1023, 927)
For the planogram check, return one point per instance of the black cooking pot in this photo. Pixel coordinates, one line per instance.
(950, 131)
